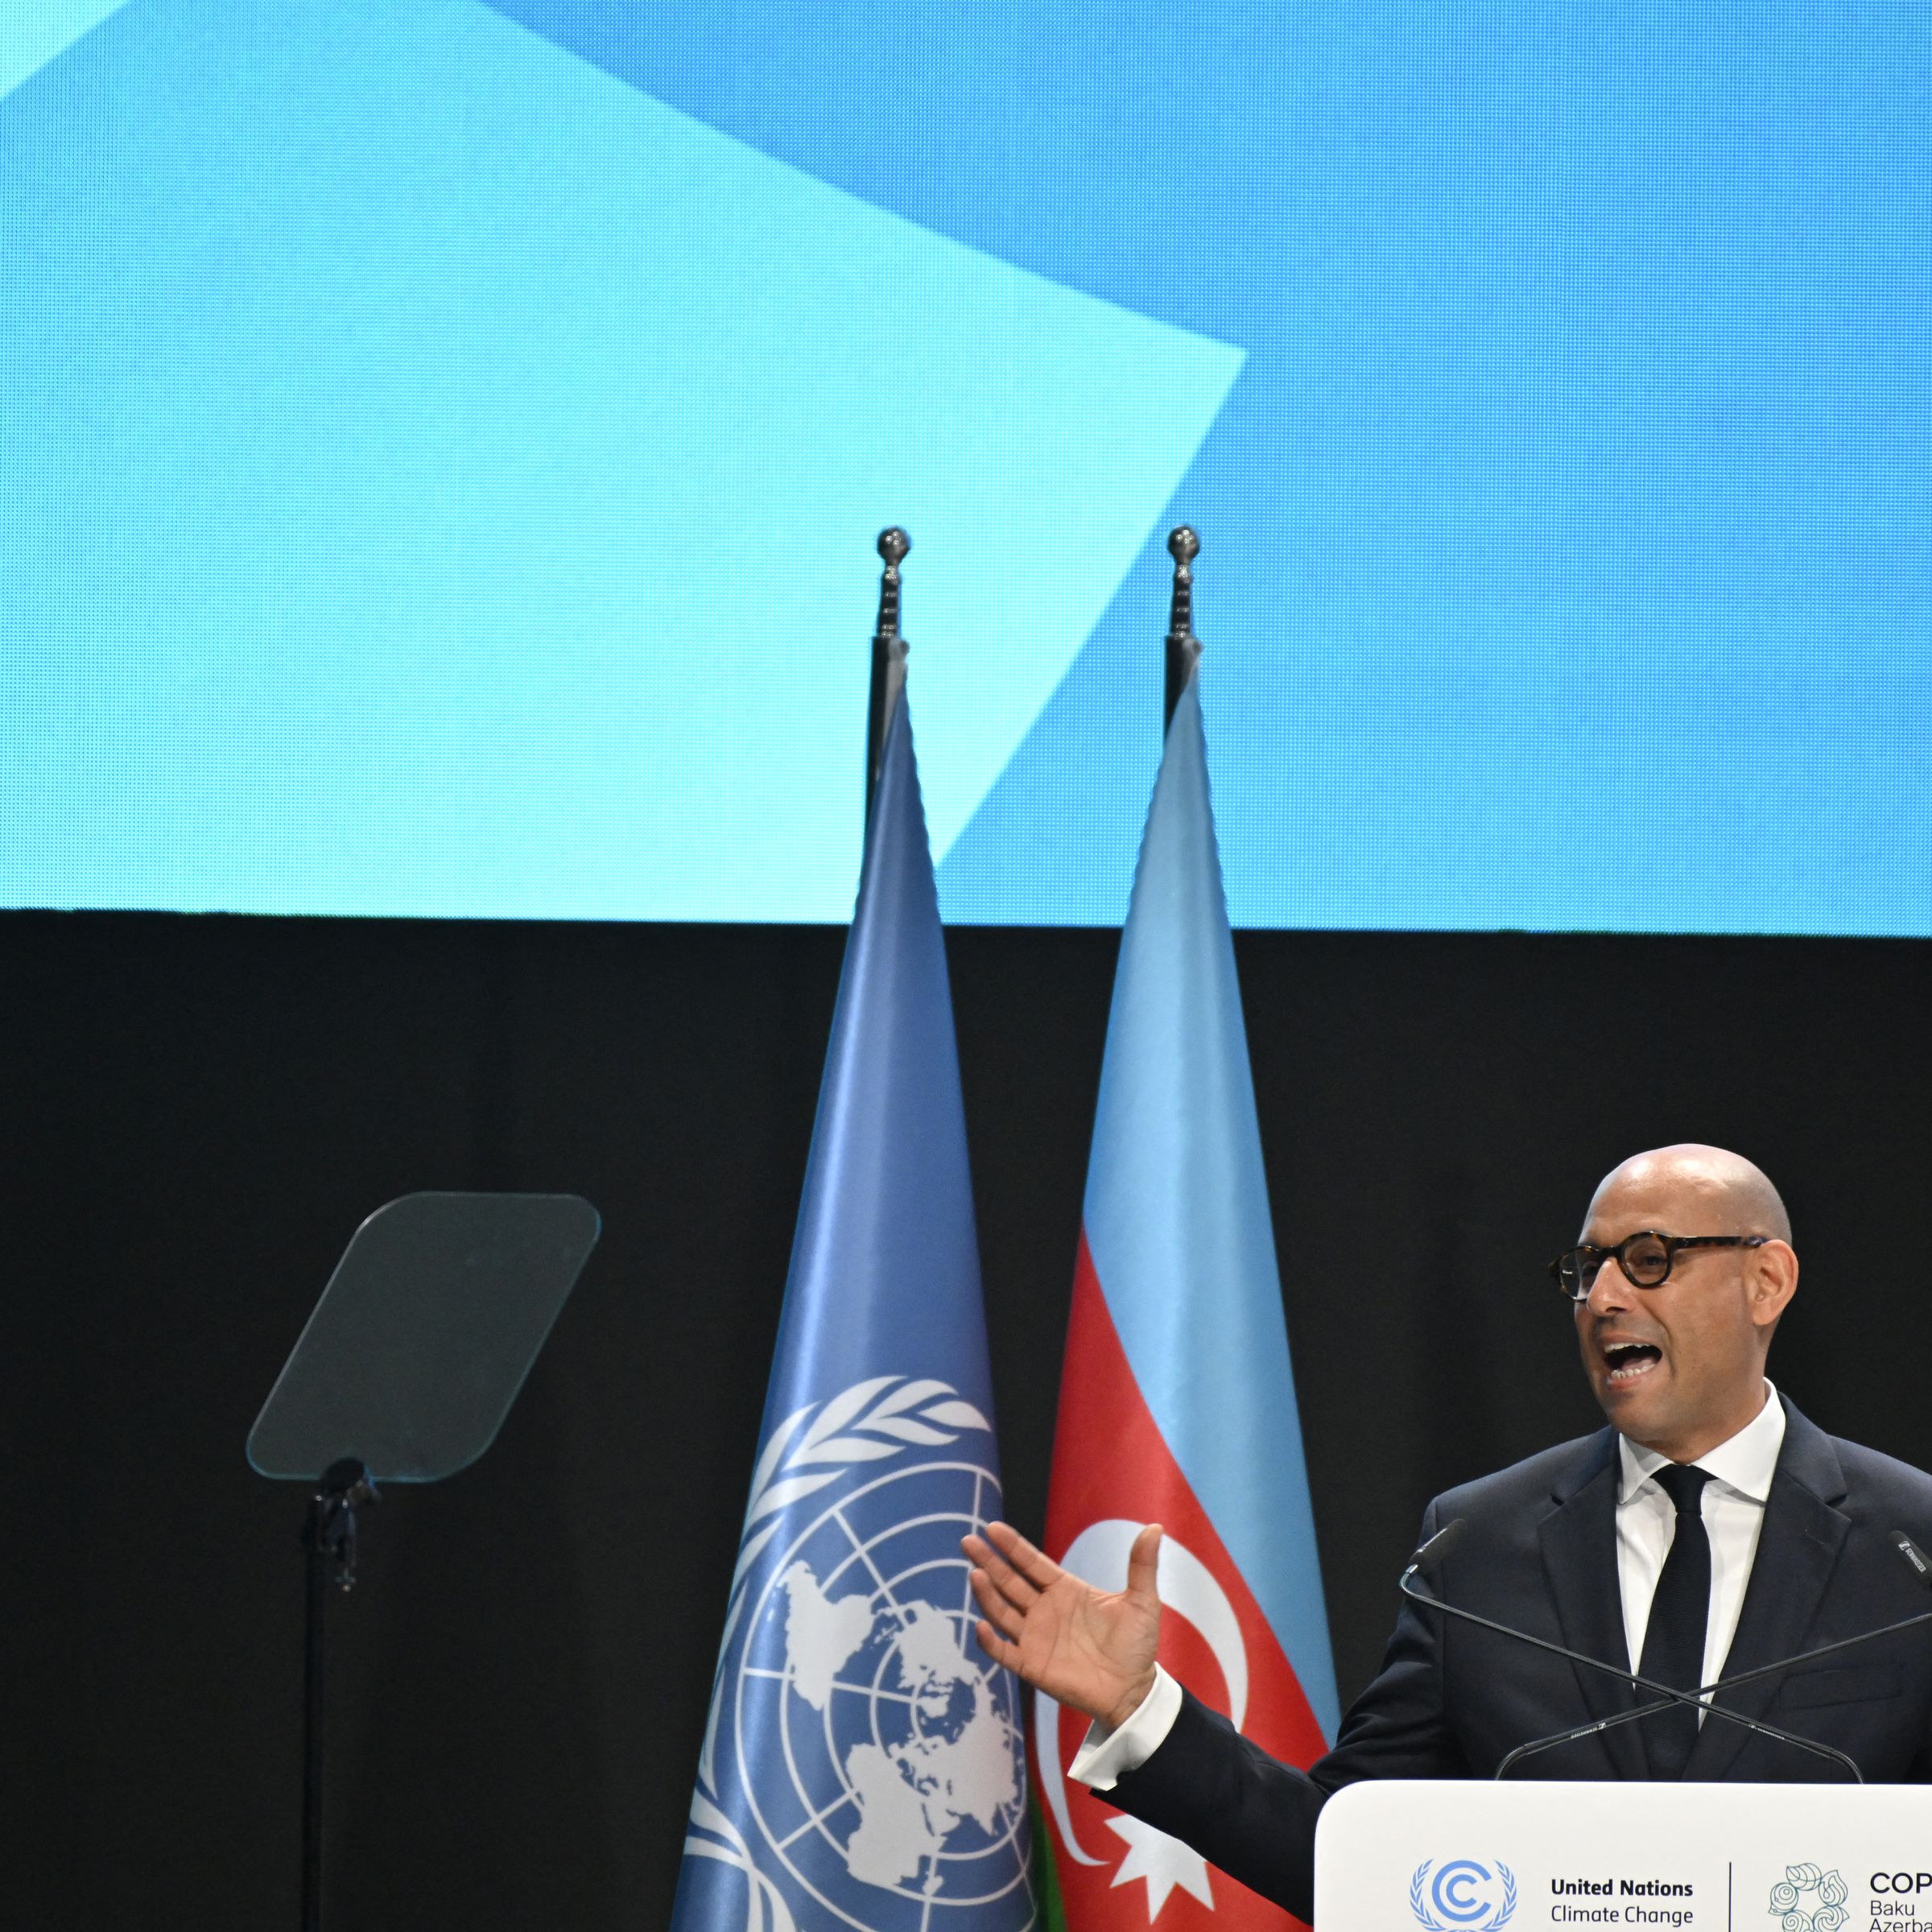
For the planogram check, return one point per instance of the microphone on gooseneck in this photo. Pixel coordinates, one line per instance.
(1450, 1533)
(1914, 1559)
(1438, 1546)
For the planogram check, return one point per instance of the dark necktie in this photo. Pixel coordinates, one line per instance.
(1673, 1639)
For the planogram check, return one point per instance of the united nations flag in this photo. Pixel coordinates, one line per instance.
(862, 1766)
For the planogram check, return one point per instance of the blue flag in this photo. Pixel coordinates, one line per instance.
(862, 1766)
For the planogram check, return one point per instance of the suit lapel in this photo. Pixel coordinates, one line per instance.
(1797, 1549)
(1579, 1540)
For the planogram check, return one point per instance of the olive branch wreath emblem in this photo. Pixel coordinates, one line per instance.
(871, 1422)
(865, 1423)
(1499, 1917)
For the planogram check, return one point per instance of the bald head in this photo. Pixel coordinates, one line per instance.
(1678, 1363)
(1728, 1194)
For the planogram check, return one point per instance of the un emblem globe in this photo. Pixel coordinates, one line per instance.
(877, 1742)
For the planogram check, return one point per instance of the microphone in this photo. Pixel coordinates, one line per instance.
(1451, 1533)
(1914, 1559)
(1438, 1546)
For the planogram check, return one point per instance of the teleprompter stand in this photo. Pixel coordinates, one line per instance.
(404, 1374)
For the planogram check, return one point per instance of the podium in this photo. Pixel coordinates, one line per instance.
(1397, 1856)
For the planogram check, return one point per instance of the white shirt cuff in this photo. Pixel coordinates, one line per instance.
(1104, 1755)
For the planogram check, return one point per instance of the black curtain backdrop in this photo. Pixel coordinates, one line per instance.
(199, 1111)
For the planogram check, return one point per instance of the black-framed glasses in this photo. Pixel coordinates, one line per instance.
(1645, 1258)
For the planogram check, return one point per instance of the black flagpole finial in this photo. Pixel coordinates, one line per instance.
(887, 657)
(1183, 646)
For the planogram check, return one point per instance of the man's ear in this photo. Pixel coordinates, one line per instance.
(1771, 1282)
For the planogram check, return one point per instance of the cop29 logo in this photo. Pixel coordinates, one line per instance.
(1463, 1897)
(1825, 1891)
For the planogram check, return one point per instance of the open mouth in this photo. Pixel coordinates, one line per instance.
(1631, 1361)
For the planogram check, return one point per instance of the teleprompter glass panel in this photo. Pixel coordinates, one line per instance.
(423, 1335)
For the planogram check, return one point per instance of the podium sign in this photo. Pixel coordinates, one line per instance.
(1450, 1856)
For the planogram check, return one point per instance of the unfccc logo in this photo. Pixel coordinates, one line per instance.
(1463, 1897)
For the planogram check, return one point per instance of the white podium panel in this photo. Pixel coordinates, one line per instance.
(1448, 1856)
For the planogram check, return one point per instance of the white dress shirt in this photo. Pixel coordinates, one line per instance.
(1733, 1506)
(1734, 1512)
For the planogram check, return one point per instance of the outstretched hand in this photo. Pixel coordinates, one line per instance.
(1091, 1649)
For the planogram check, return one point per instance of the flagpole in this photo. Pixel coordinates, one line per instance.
(888, 659)
(1176, 1326)
(1183, 646)
(877, 1443)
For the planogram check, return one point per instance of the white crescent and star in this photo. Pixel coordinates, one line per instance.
(1098, 1555)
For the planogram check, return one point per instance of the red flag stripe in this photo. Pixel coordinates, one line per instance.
(1111, 1465)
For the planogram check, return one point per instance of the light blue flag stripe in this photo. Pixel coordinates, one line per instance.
(1177, 1216)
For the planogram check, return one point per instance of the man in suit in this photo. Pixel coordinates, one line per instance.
(1709, 1529)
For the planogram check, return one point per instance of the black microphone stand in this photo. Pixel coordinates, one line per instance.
(1667, 1693)
(1914, 1559)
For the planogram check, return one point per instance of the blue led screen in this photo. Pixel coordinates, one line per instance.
(441, 446)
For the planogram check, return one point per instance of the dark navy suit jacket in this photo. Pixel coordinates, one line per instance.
(1540, 1553)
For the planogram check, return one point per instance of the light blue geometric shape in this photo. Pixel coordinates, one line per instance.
(443, 481)
(1578, 409)
(33, 32)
